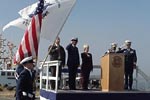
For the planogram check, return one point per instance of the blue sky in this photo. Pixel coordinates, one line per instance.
(94, 22)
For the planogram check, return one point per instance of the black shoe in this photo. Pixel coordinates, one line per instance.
(84, 88)
(72, 88)
(126, 88)
(130, 88)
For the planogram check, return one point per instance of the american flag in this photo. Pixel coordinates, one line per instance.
(31, 38)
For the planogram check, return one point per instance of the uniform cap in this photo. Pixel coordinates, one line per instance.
(127, 41)
(27, 60)
(74, 39)
(114, 44)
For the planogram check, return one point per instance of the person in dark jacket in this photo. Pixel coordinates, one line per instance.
(57, 52)
(86, 67)
(24, 89)
(130, 63)
(19, 69)
(73, 62)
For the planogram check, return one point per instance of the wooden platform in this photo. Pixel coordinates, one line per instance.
(94, 95)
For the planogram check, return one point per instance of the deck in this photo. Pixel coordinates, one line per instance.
(92, 94)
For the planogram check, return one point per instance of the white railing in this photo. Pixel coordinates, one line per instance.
(45, 75)
(145, 77)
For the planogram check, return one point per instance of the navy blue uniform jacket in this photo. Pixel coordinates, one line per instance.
(130, 57)
(24, 84)
(73, 56)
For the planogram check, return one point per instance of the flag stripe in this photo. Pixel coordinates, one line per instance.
(40, 20)
(27, 44)
(30, 40)
(34, 36)
(21, 54)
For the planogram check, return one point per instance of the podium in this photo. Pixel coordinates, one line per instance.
(112, 72)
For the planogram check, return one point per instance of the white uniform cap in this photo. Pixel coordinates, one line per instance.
(27, 60)
(74, 39)
(127, 41)
(114, 44)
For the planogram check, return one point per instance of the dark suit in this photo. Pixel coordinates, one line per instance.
(73, 62)
(19, 69)
(86, 67)
(130, 59)
(24, 84)
(57, 53)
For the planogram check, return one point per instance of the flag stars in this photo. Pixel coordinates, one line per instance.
(40, 7)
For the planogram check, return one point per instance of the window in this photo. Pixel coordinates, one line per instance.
(2, 73)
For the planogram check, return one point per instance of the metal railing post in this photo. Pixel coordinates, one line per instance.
(136, 75)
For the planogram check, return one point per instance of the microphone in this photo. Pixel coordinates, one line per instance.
(122, 47)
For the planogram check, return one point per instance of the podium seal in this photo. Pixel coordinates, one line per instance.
(116, 61)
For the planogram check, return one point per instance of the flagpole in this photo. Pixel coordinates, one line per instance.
(56, 37)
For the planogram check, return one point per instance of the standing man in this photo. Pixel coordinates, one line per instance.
(19, 69)
(73, 62)
(130, 63)
(57, 52)
(24, 89)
